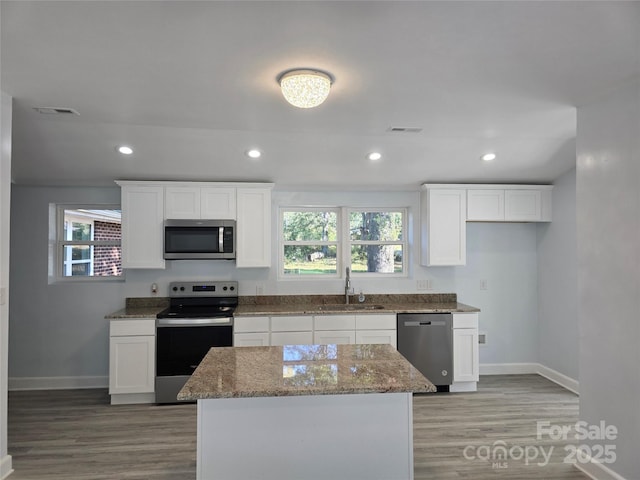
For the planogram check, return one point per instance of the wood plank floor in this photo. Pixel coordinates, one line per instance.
(77, 435)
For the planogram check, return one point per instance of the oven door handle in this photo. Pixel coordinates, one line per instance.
(193, 322)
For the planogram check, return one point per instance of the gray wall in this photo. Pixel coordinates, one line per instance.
(58, 330)
(608, 199)
(5, 198)
(557, 282)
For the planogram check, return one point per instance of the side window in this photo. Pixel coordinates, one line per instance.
(88, 241)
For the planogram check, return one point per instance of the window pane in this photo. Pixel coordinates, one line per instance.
(310, 259)
(81, 231)
(82, 252)
(376, 226)
(310, 226)
(376, 258)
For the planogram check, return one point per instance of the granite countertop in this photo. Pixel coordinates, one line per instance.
(335, 304)
(149, 307)
(293, 370)
(142, 307)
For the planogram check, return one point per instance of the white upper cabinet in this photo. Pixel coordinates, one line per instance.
(142, 225)
(218, 203)
(523, 205)
(509, 203)
(444, 230)
(253, 238)
(485, 205)
(209, 202)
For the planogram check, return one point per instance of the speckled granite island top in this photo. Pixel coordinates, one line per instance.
(294, 370)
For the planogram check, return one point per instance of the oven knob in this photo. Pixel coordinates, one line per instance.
(175, 289)
(232, 288)
(182, 289)
(224, 288)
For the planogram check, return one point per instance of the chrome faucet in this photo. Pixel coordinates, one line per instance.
(347, 287)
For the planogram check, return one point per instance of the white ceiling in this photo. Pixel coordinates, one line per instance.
(192, 85)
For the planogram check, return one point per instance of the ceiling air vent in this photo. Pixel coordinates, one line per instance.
(404, 130)
(56, 111)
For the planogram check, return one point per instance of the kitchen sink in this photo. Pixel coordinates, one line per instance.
(352, 306)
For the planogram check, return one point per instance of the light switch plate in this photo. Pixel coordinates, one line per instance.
(424, 285)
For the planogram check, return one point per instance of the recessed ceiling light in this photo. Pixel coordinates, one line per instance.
(123, 149)
(254, 153)
(487, 157)
(374, 156)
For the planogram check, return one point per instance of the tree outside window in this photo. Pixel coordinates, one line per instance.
(310, 242)
(376, 239)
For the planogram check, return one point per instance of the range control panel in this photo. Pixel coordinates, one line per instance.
(203, 289)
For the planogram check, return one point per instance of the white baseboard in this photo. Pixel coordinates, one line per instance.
(508, 368)
(559, 378)
(530, 368)
(56, 383)
(597, 470)
(5, 467)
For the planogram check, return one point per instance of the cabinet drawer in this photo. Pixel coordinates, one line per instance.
(257, 339)
(292, 338)
(335, 322)
(376, 321)
(465, 320)
(132, 327)
(298, 323)
(250, 324)
(377, 336)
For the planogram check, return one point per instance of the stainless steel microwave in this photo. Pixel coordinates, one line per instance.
(199, 239)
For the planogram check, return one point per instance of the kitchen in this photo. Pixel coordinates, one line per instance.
(529, 304)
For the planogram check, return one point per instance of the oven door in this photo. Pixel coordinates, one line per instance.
(181, 344)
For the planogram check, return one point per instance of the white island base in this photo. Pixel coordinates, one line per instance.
(360, 436)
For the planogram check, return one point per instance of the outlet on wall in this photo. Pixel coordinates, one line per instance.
(483, 284)
(260, 289)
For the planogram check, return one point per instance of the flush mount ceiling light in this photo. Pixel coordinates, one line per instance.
(254, 153)
(487, 157)
(125, 150)
(305, 88)
(374, 156)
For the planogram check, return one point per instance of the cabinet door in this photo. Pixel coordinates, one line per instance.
(465, 355)
(485, 205)
(377, 336)
(334, 337)
(218, 203)
(257, 339)
(182, 202)
(253, 239)
(523, 206)
(444, 227)
(131, 364)
(142, 226)
(292, 338)
(292, 323)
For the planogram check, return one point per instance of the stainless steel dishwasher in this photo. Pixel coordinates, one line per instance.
(426, 340)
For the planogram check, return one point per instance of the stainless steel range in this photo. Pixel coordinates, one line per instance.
(199, 316)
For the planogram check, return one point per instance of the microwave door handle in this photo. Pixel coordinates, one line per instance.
(220, 239)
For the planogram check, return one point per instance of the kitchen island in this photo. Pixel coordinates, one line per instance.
(305, 412)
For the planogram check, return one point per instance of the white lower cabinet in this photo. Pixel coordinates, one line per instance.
(466, 366)
(292, 330)
(334, 329)
(251, 331)
(377, 336)
(132, 360)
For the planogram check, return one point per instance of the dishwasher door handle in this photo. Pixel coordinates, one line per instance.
(426, 323)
